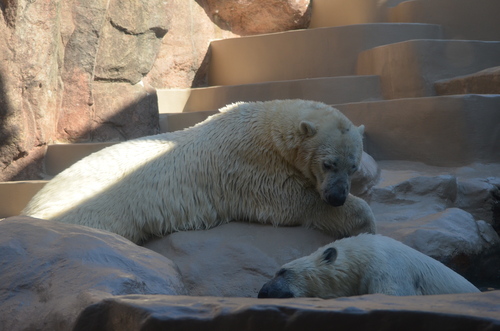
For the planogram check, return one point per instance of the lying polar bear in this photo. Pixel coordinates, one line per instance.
(280, 162)
(364, 264)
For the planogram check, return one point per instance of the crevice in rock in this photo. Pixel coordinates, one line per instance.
(158, 31)
(9, 8)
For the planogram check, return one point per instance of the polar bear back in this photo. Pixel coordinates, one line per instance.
(402, 270)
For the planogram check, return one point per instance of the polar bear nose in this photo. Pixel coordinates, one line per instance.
(336, 198)
(275, 288)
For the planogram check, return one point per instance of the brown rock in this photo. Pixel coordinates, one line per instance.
(115, 44)
(30, 84)
(477, 311)
(182, 58)
(130, 39)
(483, 82)
(253, 17)
(126, 111)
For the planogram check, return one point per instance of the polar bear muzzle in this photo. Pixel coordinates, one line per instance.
(335, 191)
(277, 287)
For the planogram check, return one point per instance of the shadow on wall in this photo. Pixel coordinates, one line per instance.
(124, 116)
(7, 133)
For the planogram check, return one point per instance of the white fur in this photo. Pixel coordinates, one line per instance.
(367, 264)
(249, 163)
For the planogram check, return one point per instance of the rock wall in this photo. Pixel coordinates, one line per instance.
(87, 70)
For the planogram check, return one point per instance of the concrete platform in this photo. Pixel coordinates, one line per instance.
(324, 52)
(461, 19)
(409, 69)
(61, 156)
(443, 131)
(329, 90)
(180, 121)
(15, 195)
(340, 12)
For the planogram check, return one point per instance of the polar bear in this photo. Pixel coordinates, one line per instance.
(283, 162)
(364, 264)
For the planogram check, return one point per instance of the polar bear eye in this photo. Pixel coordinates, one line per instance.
(329, 166)
(281, 272)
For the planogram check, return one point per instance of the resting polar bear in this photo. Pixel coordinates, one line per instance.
(364, 264)
(284, 162)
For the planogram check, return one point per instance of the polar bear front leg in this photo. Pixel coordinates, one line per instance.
(352, 218)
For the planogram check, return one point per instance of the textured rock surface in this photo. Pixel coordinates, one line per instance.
(369, 312)
(51, 271)
(483, 82)
(253, 17)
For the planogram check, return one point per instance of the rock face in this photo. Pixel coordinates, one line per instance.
(91, 64)
(51, 271)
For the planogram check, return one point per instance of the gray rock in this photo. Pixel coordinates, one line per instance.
(51, 271)
(442, 235)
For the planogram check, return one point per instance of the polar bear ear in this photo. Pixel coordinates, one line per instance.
(330, 255)
(307, 128)
(361, 129)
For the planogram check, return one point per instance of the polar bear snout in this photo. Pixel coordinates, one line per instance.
(276, 288)
(335, 192)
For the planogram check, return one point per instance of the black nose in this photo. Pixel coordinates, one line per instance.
(263, 293)
(335, 200)
(270, 290)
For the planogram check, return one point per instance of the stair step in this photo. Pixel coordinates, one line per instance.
(329, 90)
(409, 69)
(60, 156)
(15, 195)
(442, 131)
(327, 13)
(300, 54)
(483, 82)
(180, 121)
(461, 19)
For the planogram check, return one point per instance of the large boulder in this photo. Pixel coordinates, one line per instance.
(253, 17)
(51, 271)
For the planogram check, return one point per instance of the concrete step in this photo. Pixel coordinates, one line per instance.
(180, 121)
(410, 68)
(483, 82)
(300, 54)
(442, 131)
(461, 19)
(329, 90)
(60, 156)
(15, 195)
(326, 13)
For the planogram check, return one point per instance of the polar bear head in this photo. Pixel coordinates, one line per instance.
(329, 152)
(316, 275)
